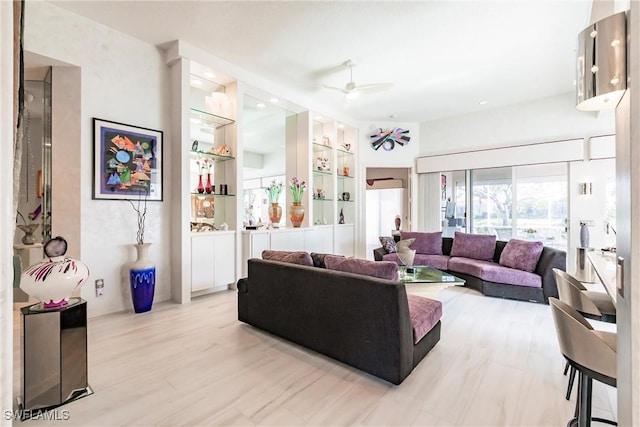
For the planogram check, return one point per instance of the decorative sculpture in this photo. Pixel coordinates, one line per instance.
(389, 138)
(53, 281)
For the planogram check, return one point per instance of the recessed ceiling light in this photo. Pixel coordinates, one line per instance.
(274, 100)
(196, 82)
(483, 102)
(209, 75)
(260, 105)
(340, 125)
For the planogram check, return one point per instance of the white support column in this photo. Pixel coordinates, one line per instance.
(6, 209)
(628, 236)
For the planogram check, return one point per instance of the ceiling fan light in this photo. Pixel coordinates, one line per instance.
(353, 94)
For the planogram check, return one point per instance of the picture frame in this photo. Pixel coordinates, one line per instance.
(127, 161)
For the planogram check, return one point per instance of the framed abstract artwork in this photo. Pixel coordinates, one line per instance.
(127, 161)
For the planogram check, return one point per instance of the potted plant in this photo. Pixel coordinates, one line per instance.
(275, 211)
(296, 210)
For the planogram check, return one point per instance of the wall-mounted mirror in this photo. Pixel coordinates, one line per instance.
(264, 148)
(34, 201)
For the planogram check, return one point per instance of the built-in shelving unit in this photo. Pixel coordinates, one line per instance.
(204, 178)
(213, 122)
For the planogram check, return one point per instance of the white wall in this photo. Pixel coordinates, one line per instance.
(124, 80)
(548, 119)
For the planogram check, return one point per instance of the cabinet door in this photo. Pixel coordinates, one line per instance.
(287, 240)
(344, 240)
(224, 260)
(202, 262)
(259, 242)
(319, 240)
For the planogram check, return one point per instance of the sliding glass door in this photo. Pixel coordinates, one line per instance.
(542, 204)
(522, 202)
(492, 202)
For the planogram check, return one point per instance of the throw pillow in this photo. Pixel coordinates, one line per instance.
(474, 246)
(405, 253)
(318, 259)
(521, 255)
(299, 257)
(389, 244)
(425, 243)
(381, 269)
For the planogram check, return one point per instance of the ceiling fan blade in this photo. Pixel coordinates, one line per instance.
(375, 87)
(327, 71)
(339, 89)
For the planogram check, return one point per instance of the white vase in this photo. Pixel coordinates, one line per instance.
(55, 279)
(142, 279)
(584, 235)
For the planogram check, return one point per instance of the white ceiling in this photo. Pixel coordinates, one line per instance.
(443, 57)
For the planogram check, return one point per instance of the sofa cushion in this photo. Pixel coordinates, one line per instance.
(521, 254)
(436, 261)
(425, 243)
(388, 243)
(476, 246)
(381, 269)
(424, 313)
(299, 257)
(492, 272)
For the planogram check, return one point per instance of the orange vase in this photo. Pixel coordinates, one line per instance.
(275, 213)
(296, 214)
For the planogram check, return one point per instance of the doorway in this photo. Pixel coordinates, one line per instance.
(386, 199)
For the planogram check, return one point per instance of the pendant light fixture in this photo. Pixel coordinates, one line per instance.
(602, 64)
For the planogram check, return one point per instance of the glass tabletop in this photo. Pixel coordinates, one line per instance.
(424, 274)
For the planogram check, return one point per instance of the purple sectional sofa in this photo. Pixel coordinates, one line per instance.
(516, 269)
(366, 321)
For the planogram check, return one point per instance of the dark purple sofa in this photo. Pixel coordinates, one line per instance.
(484, 273)
(367, 322)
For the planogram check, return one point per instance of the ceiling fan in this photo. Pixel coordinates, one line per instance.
(351, 90)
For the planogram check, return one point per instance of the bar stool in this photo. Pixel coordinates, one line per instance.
(593, 305)
(590, 352)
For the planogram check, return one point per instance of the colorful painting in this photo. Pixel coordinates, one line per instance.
(127, 161)
(443, 187)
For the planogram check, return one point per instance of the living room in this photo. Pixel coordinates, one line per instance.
(94, 83)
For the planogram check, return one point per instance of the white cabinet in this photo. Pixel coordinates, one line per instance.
(344, 240)
(211, 268)
(319, 239)
(288, 240)
(253, 243)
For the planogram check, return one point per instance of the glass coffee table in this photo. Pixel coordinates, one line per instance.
(424, 274)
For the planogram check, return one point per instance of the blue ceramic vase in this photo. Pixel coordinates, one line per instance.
(142, 278)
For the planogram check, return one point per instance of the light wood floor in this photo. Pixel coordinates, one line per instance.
(497, 363)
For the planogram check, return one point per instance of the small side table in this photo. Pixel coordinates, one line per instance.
(54, 356)
(584, 269)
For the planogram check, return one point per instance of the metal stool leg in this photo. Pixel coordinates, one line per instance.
(572, 377)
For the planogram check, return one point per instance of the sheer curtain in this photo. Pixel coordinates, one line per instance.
(429, 197)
